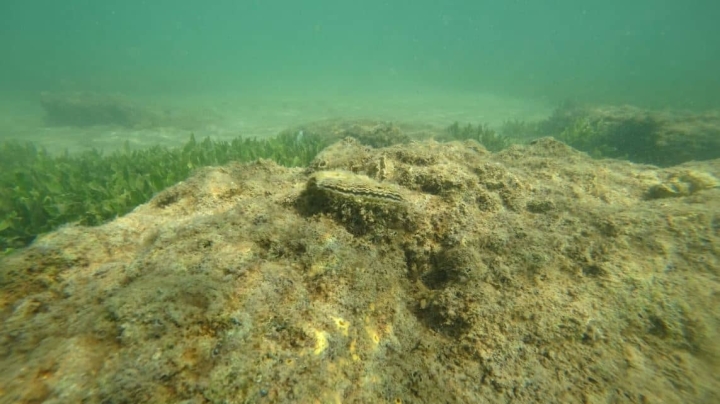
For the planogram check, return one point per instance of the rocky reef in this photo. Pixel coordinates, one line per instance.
(423, 272)
(660, 137)
(87, 109)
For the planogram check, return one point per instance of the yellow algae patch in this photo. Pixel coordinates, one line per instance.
(353, 351)
(318, 268)
(329, 397)
(378, 333)
(241, 251)
(342, 325)
(321, 342)
(328, 239)
(373, 333)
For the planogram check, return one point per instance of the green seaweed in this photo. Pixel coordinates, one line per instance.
(518, 129)
(480, 133)
(588, 135)
(631, 137)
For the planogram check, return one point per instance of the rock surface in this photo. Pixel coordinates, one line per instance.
(417, 273)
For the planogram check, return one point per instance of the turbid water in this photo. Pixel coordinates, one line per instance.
(252, 68)
(226, 117)
(349, 243)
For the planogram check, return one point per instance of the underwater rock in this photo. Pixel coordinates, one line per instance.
(663, 138)
(349, 186)
(368, 132)
(684, 183)
(357, 200)
(84, 110)
(420, 273)
(89, 109)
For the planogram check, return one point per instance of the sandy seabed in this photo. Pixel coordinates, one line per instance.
(225, 117)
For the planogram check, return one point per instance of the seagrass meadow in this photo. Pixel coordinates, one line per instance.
(40, 190)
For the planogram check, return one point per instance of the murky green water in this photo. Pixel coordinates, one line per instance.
(295, 61)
